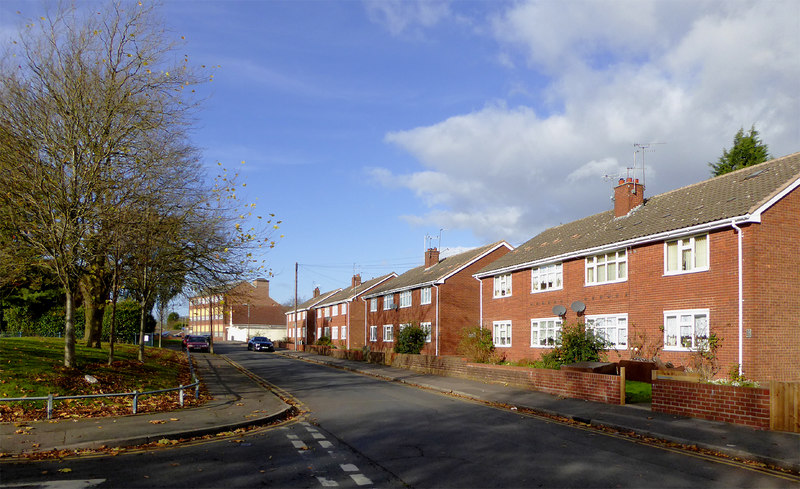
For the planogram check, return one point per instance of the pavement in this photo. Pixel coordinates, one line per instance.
(239, 401)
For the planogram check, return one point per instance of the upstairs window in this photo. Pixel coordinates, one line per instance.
(607, 268)
(373, 304)
(502, 285)
(548, 277)
(405, 299)
(344, 308)
(686, 255)
(425, 295)
(335, 310)
(388, 302)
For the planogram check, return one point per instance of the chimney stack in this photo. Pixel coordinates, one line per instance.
(627, 195)
(316, 292)
(356, 280)
(431, 257)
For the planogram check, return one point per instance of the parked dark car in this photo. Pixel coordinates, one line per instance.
(260, 343)
(196, 343)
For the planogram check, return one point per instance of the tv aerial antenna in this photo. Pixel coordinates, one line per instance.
(429, 241)
(641, 148)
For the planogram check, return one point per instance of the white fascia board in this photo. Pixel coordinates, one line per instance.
(403, 289)
(709, 226)
(756, 213)
(482, 255)
(351, 298)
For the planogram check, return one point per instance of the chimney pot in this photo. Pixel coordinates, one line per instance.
(621, 181)
(629, 180)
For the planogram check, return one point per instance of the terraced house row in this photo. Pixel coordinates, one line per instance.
(718, 258)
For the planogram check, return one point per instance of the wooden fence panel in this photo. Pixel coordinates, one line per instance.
(784, 406)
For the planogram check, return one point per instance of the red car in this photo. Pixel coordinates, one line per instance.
(196, 343)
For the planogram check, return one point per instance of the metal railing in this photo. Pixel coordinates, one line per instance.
(136, 394)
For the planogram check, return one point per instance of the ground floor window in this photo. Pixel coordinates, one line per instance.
(427, 328)
(373, 333)
(686, 330)
(319, 333)
(326, 331)
(613, 328)
(335, 333)
(502, 333)
(545, 332)
(344, 332)
(388, 332)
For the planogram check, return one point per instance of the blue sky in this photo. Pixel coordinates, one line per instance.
(365, 126)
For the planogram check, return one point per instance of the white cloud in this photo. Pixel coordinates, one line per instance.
(688, 74)
(402, 16)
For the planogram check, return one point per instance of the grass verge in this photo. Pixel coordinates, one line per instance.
(33, 367)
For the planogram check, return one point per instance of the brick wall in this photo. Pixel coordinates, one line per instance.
(579, 385)
(741, 405)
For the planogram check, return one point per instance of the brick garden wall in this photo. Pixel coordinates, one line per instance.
(579, 385)
(741, 405)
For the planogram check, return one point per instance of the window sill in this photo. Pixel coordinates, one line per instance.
(547, 290)
(685, 272)
(677, 349)
(605, 283)
(502, 346)
(501, 296)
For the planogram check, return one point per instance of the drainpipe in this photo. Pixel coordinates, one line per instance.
(741, 297)
(480, 303)
(437, 318)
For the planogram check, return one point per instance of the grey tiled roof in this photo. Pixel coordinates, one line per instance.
(313, 301)
(446, 266)
(350, 292)
(728, 196)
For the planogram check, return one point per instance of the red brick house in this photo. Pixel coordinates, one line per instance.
(440, 295)
(340, 317)
(300, 320)
(242, 310)
(716, 257)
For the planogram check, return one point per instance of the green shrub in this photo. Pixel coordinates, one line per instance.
(324, 341)
(577, 344)
(477, 345)
(410, 339)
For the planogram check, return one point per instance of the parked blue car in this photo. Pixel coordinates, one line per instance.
(260, 343)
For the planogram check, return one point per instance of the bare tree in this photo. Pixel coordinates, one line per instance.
(85, 98)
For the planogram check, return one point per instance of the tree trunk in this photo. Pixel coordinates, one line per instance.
(141, 332)
(69, 330)
(113, 326)
(95, 293)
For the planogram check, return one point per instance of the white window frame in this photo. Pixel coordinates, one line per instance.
(343, 335)
(687, 245)
(427, 327)
(425, 295)
(328, 311)
(686, 319)
(595, 263)
(613, 328)
(319, 333)
(334, 332)
(373, 333)
(501, 334)
(335, 310)
(547, 278)
(388, 328)
(303, 315)
(373, 304)
(405, 299)
(502, 285)
(545, 329)
(319, 313)
(388, 302)
(344, 308)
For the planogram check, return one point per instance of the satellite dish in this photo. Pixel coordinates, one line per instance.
(559, 310)
(578, 306)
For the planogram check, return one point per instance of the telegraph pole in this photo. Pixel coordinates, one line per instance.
(295, 306)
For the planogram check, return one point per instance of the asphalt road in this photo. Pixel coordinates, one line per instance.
(364, 432)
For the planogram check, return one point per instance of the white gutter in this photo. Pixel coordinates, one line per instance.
(741, 296)
(619, 244)
(437, 319)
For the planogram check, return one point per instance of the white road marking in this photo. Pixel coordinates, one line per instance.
(360, 479)
(299, 444)
(65, 484)
(327, 482)
(318, 436)
(291, 437)
(325, 444)
(349, 467)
